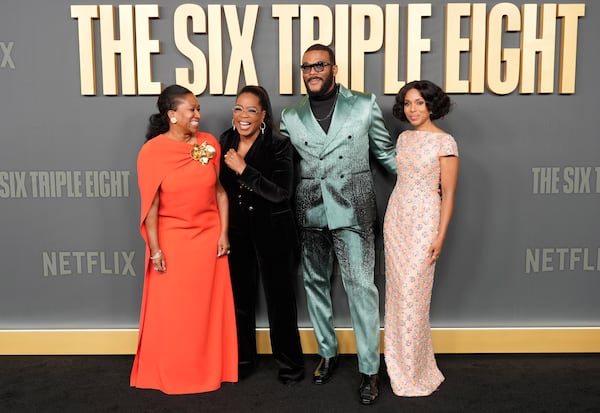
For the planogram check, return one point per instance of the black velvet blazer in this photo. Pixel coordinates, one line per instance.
(262, 194)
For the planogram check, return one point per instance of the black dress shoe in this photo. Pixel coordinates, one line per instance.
(369, 388)
(324, 370)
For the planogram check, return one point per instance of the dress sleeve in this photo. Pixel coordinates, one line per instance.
(448, 146)
(150, 173)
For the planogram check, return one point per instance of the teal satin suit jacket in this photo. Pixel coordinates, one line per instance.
(335, 188)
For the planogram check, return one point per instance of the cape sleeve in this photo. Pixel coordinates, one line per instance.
(150, 174)
(156, 159)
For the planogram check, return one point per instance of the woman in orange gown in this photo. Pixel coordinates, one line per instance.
(187, 337)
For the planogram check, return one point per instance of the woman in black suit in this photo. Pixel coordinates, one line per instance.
(257, 175)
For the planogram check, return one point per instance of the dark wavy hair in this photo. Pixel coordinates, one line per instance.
(263, 99)
(168, 100)
(438, 102)
(323, 48)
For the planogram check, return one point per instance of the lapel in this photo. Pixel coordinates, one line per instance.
(343, 110)
(229, 140)
(259, 156)
(257, 151)
(342, 116)
(310, 123)
(232, 140)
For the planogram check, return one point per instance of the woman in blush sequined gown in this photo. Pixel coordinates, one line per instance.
(415, 226)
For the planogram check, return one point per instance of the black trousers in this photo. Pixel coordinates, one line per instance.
(257, 252)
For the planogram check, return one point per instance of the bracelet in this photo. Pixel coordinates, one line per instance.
(157, 255)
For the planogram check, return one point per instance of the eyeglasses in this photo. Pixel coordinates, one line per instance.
(319, 67)
(251, 111)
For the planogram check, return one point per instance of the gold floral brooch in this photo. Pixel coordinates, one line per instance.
(203, 153)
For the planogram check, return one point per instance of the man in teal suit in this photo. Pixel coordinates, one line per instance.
(333, 130)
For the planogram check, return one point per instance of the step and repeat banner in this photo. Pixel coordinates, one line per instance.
(78, 82)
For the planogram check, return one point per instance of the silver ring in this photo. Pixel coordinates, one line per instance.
(228, 251)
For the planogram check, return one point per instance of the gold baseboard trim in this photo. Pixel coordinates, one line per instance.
(448, 341)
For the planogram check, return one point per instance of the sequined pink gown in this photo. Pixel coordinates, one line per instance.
(410, 225)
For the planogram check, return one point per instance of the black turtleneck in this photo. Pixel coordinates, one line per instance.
(323, 107)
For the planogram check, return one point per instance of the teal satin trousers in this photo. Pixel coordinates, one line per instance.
(354, 250)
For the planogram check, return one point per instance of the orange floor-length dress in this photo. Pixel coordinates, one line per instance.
(187, 337)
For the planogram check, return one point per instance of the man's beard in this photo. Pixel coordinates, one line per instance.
(325, 88)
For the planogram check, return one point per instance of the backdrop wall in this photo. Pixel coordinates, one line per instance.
(523, 246)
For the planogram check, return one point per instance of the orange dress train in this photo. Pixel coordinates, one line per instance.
(187, 338)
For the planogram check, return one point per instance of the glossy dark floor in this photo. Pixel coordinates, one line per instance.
(474, 383)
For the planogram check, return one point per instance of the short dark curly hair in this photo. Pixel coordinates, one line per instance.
(438, 102)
